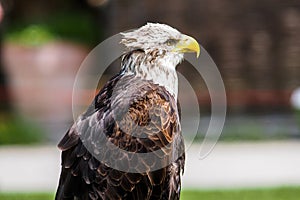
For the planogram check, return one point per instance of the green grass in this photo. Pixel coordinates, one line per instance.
(285, 193)
(26, 196)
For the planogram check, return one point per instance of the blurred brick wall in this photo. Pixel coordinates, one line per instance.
(255, 44)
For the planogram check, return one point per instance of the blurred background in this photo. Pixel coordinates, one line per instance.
(255, 44)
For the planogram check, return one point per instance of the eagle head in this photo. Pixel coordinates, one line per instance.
(155, 37)
(154, 50)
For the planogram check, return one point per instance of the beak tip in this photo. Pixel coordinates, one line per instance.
(198, 50)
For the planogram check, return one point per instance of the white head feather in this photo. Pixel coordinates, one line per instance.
(150, 37)
(161, 39)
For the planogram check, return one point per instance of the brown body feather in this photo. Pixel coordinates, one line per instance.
(151, 122)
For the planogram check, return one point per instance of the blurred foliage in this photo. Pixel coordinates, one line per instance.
(78, 27)
(248, 131)
(75, 27)
(297, 113)
(16, 130)
(33, 35)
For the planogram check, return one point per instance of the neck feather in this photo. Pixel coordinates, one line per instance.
(159, 67)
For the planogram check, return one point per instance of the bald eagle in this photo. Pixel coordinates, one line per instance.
(136, 113)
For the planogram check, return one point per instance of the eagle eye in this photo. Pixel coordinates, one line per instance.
(171, 42)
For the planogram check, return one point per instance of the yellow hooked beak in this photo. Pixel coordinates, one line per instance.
(187, 44)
